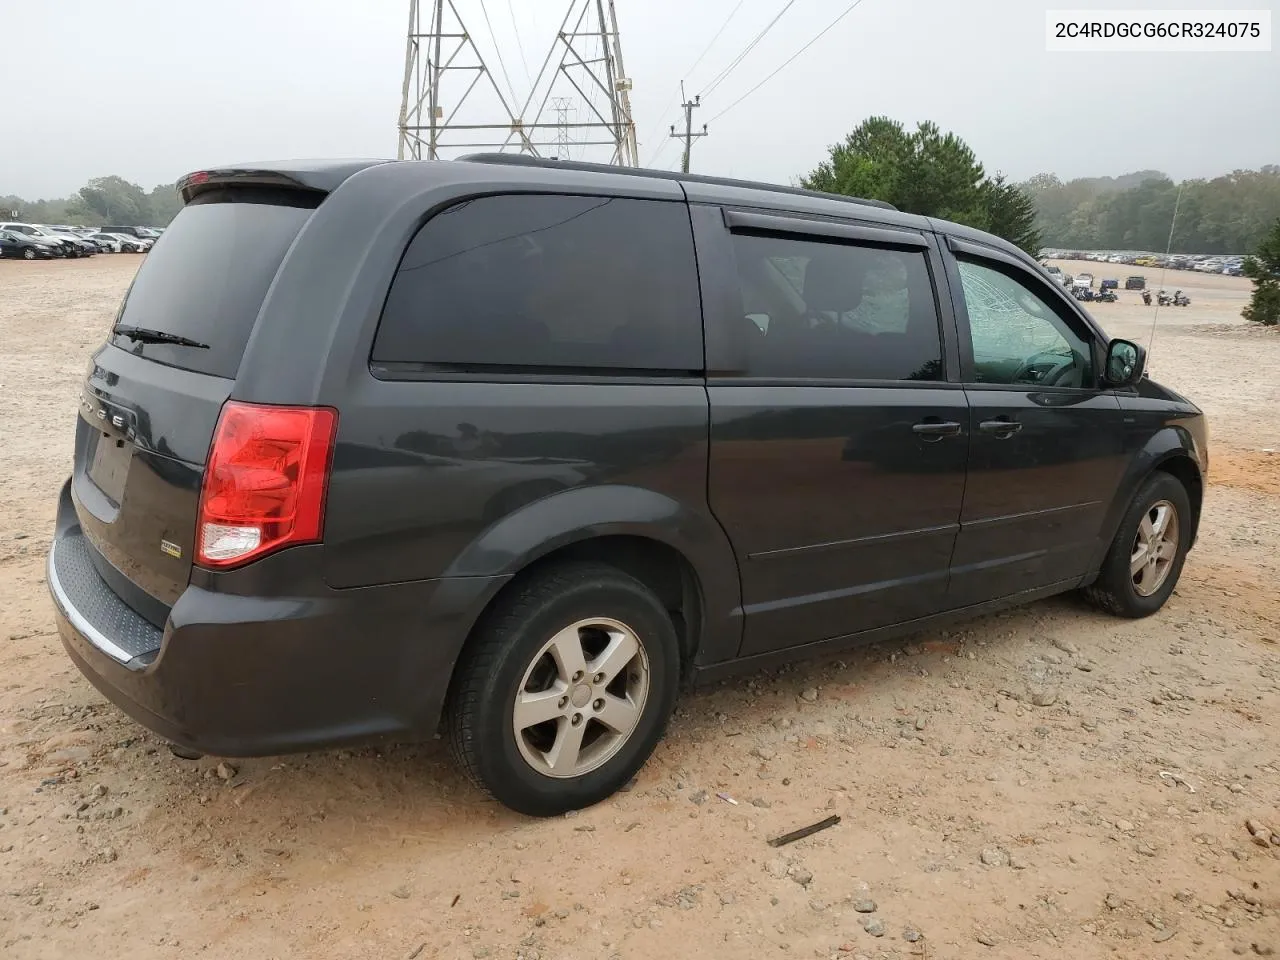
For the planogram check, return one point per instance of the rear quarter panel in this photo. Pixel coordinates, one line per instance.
(447, 478)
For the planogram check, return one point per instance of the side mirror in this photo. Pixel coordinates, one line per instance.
(1126, 363)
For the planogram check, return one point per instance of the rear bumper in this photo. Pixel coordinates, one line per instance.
(292, 666)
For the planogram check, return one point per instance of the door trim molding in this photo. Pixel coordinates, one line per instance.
(873, 538)
(1011, 517)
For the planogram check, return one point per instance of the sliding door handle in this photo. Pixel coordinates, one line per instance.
(933, 430)
(1001, 427)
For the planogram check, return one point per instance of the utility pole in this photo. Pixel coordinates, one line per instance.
(689, 135)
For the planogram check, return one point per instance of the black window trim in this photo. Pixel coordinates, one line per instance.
(411, 372)
(1012, 267)
(742, 221)
(437, 372)
(722, 373)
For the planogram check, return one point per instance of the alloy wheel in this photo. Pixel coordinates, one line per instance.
(581, 698)
(1155, 548)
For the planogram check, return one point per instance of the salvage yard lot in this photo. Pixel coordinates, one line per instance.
(1046, 782)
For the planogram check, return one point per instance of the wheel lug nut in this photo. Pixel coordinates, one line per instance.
(577, 719)
(564, 702)
(598, 678)
(578, 676)
(598, 705)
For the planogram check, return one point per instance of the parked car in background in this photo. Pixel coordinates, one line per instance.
(1083, 280)
(79, 233)
(1055, 273)
(1110, 285)
(66, 248)
(21, 246)
(86, 247)
(140, 233)
(109, 242)
(306, 508)
(130, 243)
(1135, 283)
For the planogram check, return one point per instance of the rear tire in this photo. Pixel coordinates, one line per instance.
(1145, 559)
(541, 734)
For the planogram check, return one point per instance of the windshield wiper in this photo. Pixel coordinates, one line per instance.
(143, 335)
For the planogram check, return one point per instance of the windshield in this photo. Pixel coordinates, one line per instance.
(207, 281)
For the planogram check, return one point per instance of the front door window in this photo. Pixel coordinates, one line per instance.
(1018, 337)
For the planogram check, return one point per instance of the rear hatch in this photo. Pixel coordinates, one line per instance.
(151, 401)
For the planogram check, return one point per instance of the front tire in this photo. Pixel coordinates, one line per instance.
(28, 254)
(1145, 560)
(565, 689)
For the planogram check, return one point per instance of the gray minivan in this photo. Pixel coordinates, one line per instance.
(511, 449)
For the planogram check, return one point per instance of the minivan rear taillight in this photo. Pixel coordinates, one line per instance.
(265, 481)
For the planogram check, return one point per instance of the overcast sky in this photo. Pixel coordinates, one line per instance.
(151, 89)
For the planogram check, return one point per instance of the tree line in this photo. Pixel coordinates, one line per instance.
(936, 174)
(100, 202)
(924, 171)
(1228, 214)
(928, 172)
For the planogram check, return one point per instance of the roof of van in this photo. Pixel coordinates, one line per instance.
(524, 159)
(325, 176)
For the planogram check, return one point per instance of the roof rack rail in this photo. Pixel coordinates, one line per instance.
(524, 160)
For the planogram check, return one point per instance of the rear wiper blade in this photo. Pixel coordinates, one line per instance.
(143, 335)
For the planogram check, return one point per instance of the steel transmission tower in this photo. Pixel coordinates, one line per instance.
(562, 105)
(451, 101)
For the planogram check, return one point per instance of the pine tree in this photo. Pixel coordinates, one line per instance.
(1263, 268)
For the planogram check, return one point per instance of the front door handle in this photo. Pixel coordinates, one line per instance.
(932, 431)
(1001, 426)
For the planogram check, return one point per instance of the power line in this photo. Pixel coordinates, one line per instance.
(675, 97)
(661, 149)
(493, 37)
(723, 74)
(707, 48)
(786, 63)
(519, 43)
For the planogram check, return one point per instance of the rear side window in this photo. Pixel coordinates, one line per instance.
(833, 310)
(550, 282)
(208, 279)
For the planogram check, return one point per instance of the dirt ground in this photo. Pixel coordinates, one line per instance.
(1048, 782)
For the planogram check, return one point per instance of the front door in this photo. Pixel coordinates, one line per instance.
(1045, 451)
(838, 448)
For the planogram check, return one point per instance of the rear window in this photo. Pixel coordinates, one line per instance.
(539, 281)
(207, 280)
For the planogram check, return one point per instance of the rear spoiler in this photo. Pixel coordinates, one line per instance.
(318, 177)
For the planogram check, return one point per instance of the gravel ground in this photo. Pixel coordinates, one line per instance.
(1048, 782)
